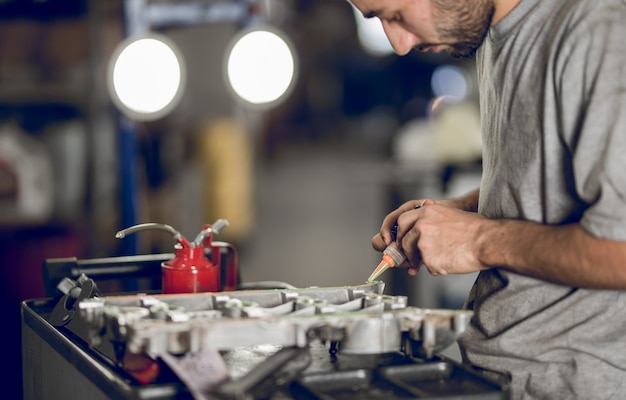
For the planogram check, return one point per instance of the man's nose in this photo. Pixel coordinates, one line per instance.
(401, 40)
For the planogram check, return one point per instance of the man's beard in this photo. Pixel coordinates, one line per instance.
(463, 25)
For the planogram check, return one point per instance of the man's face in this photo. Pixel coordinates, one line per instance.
(456, 26)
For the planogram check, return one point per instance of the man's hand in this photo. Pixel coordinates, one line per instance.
(442, 238)
(410, 212)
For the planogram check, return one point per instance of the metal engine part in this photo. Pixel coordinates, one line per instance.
(359, 319)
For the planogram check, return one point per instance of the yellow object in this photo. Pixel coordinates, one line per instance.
(226, 154)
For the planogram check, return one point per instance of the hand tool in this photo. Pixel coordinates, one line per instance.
(392, 255)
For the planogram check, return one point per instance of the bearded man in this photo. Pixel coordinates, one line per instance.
(547, 227)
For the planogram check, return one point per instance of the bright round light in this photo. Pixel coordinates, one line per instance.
(450, 82)
(260, 67)
(146, 77)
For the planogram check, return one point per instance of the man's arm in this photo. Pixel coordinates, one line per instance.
(562, 254)
(449, 241)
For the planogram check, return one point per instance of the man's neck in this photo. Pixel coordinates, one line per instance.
(503, 8)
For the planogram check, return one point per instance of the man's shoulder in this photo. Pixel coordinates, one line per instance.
(583, 16)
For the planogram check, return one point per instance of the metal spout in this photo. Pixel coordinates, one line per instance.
(215, 228)
(151, 225)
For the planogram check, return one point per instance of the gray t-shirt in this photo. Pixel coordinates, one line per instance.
(552, 78)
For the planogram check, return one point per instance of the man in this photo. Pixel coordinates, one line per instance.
(547, 229)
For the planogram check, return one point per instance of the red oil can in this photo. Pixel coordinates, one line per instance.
(197, 266)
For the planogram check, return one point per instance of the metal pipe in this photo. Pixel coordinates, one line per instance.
(152, 225)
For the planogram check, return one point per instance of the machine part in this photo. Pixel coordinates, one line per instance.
(277, 370)
(434, 380)
(264, 285)
(53, 356)
(373, 336)
(74, 292)
(359, 318)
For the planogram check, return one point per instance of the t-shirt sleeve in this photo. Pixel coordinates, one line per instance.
(593, 118)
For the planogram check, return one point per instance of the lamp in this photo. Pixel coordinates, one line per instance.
(146, 76)
(260, 66)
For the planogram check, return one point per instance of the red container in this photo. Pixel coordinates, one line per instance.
(190, 272)
(196, 266)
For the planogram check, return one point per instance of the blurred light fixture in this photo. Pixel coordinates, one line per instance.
(260, 66)
(372, 35)
(146, 76)
(451, 83)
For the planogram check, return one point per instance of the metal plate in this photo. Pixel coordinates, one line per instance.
(355, 384)
(443, 380)
(432, 380)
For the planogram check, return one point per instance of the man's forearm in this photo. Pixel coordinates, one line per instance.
(562, 254)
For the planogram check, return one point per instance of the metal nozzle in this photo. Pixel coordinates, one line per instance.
(392, 257)
(219, 225)
(151, 225)
(215, 229)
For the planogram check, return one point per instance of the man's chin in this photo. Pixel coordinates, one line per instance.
(464, 50)
(459, 50)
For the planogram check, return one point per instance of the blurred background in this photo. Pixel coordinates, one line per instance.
(304, 177)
